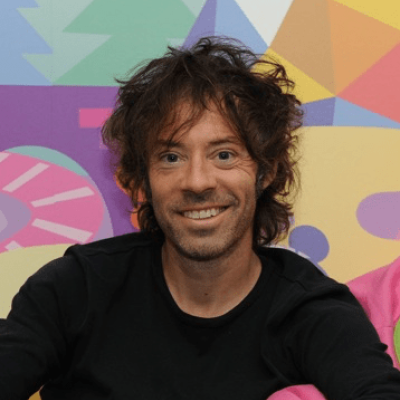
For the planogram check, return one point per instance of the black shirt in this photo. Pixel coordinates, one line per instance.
(100, 323)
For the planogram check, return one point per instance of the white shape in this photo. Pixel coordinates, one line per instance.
(13, 245)
(26, 177)
(64, 196)
(265, 15)
(3, 156)
(62, 230)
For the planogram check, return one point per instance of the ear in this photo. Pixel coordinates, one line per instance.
(269, 177)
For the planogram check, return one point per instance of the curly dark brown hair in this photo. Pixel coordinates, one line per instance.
(252, 93)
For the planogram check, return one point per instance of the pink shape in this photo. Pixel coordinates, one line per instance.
(378, 89)
(379, 294)
(83, 213)
(298, 392)
(93, 117)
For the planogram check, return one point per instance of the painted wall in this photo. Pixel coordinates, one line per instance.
(59, 61)
(58, 64)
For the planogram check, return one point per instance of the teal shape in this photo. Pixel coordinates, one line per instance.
(138, 30)
(50, 155)
(194, 6)
(49, 20)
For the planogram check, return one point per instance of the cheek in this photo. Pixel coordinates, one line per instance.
(244, 179)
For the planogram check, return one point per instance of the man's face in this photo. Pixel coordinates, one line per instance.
(207, 171)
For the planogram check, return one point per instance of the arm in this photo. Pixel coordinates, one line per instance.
(34, 337)
(337, 349)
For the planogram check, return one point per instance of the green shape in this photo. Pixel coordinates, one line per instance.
(139, 31)
(49, 155)
(49, 20)
(396, 340)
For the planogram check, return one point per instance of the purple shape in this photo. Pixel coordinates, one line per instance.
(204, 25)
(17, 215)
(3, 221)
(379, 215)
(319, 113)
(232, 21)
(48, 116)
(310, 241)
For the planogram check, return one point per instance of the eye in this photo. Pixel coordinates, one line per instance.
(225, 155)
(169, 158)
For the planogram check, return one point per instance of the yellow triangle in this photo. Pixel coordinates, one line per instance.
(306, 89)
(386, 11)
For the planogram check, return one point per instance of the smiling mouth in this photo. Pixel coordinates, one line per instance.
(204, 214)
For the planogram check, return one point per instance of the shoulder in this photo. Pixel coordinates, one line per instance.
(300, 285)
(130, 242)
(295, 270)
(106, 260)
(111, 258)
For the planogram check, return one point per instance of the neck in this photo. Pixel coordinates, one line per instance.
(212, 288)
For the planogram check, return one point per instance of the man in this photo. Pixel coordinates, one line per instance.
(196, 306)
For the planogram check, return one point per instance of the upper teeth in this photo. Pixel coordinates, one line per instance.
(203, 213)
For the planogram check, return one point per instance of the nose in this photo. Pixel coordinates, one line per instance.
(199, 175)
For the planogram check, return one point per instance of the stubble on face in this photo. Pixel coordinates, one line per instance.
(231, 184)
(208, 244)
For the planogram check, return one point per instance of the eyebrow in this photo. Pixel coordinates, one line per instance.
(170, 144)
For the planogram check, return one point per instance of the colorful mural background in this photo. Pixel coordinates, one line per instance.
(59, 61)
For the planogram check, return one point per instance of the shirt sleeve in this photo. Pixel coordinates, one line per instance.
(35, 336)
(335, 346)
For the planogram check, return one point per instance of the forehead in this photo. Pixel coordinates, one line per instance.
(208, 126)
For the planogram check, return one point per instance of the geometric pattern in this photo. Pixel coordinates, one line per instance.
(60, 59)
(50, 19)
(57, 85)
(44, 203)
(352, 54)
(212, 21)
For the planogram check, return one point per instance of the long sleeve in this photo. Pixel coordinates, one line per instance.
(337, 348)
(34, 337)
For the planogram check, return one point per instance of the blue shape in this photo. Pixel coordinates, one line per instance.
(18, 37)
(18, 71)
(16, 213)
(231, 21)
(349, 114)
(310, 241)
(50, 155)
(319, 113)
(204, 24)
(21, 3)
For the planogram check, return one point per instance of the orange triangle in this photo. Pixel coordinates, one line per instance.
(386, 11)
(306, 89)
(304, 40)
(358, 41)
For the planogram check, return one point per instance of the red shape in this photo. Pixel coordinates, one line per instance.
(378, 89)
(93, 117)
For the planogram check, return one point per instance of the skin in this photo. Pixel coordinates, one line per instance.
(210, 266)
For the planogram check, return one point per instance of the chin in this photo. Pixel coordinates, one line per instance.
(202, 249)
